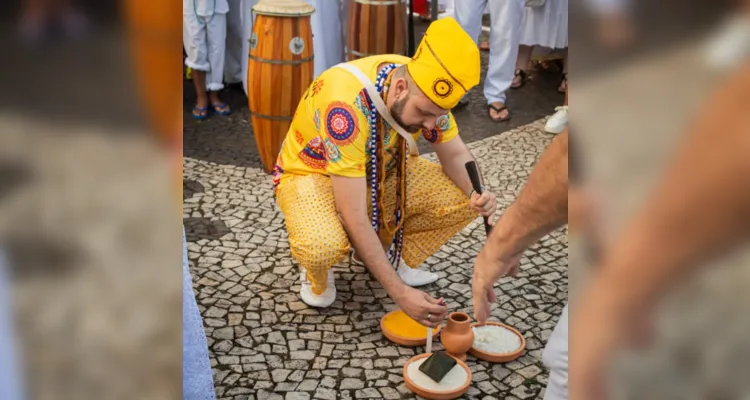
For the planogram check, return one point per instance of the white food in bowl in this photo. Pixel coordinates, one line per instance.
(454, 379)
(495, 339)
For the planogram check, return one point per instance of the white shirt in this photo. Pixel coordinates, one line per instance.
(205, 8)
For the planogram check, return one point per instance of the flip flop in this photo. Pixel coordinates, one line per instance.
(524, 76)
(218, 107)
(202, 113)
(497, 110)
(564, 80)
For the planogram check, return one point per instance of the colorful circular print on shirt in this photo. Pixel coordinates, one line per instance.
(443, 123)
(433, 136)
(332, 151)
(341, 123)
(314, 154)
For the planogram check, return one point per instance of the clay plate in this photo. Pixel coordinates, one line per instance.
(405, 341)
(436, 395)
(499, 357)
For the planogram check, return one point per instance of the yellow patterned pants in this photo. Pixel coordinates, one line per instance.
(435, 211)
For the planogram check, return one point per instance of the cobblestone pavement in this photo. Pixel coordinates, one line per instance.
(265, 343)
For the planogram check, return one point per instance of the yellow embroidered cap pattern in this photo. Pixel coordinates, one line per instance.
(446, 64)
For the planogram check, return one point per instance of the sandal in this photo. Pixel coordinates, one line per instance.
(221, 109)
(524, 76)
(491, 107)
(202, 113)
(563, 81)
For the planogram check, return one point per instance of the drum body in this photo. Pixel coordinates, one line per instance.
(376, 27)
(280, 68)
(155, 37)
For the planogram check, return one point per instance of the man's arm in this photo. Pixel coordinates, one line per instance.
(541, 207)
(701, 206)
(453, 156)
(350, 195)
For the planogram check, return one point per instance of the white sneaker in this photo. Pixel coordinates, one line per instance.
(314, 300)
(558, 121)
(414, 276)
(411, 276)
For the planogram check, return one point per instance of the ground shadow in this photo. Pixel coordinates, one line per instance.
(204, 228)
(190, 188)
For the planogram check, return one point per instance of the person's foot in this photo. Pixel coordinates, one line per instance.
(498, 111)
(484, 45)
(558, 121)
(200, 111)
(217, 106)
(563, 83)
(317, 300)
(415, 277)
(519, 79)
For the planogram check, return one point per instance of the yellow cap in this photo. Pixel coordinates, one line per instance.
(446, 64)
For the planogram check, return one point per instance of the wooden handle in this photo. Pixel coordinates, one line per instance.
(473, 171)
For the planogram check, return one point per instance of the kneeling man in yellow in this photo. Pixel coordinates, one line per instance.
(347, 175)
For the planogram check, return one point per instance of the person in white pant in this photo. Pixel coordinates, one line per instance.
(204, 26)
(235, 35)
(541, 207)
(506, 17)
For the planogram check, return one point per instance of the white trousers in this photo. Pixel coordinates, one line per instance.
(505, 32)
(205, 44)
(234, 53)
(328, 33)
(555, 357)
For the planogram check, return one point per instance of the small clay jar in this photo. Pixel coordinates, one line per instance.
(458, 337)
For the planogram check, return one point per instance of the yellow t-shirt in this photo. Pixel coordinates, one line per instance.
(330, 130)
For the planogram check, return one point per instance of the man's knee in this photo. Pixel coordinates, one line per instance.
(321, 252)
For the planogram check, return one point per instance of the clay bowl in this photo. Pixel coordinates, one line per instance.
(431, 394)
(499, 357)
(402, 340)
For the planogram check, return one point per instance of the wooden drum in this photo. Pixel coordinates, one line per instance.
(279, 70)
(376, 27)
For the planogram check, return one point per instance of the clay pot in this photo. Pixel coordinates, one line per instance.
(458, 337)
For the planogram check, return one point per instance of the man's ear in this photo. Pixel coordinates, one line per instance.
(402, 88)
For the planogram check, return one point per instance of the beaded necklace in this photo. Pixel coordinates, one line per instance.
(382, 83)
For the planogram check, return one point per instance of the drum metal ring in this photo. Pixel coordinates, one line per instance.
(271, 117)
(281, 62)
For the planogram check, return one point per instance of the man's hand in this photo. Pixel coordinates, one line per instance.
(421, 307)
(488, 268)
(485, 204)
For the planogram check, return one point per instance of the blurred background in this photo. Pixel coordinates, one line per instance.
(642, 72)
(89, 200)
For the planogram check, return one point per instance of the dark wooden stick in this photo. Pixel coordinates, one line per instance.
(471, 168)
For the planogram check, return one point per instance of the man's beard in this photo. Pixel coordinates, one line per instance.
(397, 110)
